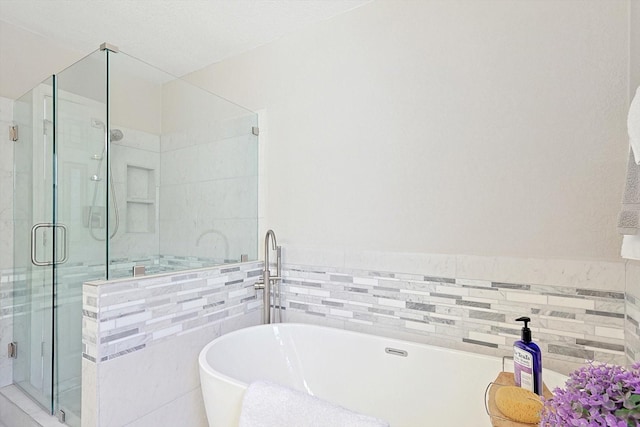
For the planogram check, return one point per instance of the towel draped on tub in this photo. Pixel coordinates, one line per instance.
(267, 404)
(629, 218)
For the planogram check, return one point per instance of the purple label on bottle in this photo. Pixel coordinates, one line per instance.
(523, 368)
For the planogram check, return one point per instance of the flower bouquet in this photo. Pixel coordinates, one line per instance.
(603, 395)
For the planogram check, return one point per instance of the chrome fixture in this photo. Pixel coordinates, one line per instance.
(396, 352)
(13, 133)
(60, 232)
(268, 280)
(138, 270)
(110, 47)
(114, 136)
(223, 237)
(12, 350)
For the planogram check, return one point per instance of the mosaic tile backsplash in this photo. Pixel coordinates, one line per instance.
(124, 316)
(632, 321)
(633, 328)
(15, 300)
(571, 324)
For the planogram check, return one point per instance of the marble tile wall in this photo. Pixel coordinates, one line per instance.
(6, 324)
(136, 194)
(14, 299)
(579, 317)
(210, 181)
(142, 336)
(127, 315)
(632, 321)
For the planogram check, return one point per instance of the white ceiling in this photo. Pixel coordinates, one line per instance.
(178, 36)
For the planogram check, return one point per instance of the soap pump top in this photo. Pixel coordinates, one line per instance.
(525, 334)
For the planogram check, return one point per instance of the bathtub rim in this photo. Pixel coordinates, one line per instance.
(207, 368)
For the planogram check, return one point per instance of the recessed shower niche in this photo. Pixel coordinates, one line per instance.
(141, 200)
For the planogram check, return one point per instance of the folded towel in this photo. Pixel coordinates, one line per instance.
(266, 404)
(629, 218)
(633, 126)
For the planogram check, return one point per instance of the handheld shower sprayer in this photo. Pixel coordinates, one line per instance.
(115, 135)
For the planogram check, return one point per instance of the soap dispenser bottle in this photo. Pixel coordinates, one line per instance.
(527, 360)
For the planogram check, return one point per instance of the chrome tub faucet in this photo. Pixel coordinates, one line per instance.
(268, 280)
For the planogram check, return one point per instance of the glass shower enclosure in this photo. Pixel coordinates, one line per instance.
(119, 167)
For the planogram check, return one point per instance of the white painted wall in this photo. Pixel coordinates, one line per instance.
(485, 128)
(634, 44)
(26, 59)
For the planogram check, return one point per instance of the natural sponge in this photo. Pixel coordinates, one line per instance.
(519, 404)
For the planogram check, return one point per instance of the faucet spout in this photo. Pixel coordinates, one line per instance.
(274, 245)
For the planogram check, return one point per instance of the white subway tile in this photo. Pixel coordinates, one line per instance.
(420, 326)
(194, 304)
(558, 333)
(609, 332)
(135, 318)
(391, 302)
(452, 290)
(341, 313)
(527, 297)
(297, 290)
(362, 322)
(571, 302)
(238, 293)
(479, 336)
(365, 281)
(166, 332)
(319, 293)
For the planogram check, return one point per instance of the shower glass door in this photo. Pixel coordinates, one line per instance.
(60, 168)
(80, 200)
(33, 247)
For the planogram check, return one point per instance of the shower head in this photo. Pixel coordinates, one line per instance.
(115, 135)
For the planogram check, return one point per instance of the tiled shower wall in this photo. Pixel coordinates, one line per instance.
(135, 166)
(142, 336)
(469, 303)
(210, 181)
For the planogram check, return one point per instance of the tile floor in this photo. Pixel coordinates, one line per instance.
(17, 410)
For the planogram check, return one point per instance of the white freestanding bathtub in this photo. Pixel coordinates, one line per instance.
(405, 383)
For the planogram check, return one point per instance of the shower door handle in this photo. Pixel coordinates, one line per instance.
(34, 242)
(65, 243)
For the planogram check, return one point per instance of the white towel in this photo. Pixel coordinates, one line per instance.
(267, 404)
(633, 126)
(629, 217)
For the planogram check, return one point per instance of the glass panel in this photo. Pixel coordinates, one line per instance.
(80, 207)
(140, 168)
(185, 173)
(33, 204)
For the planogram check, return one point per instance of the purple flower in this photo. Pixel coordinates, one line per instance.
(594, 396)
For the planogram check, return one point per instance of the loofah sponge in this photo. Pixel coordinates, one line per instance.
(519, 404)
